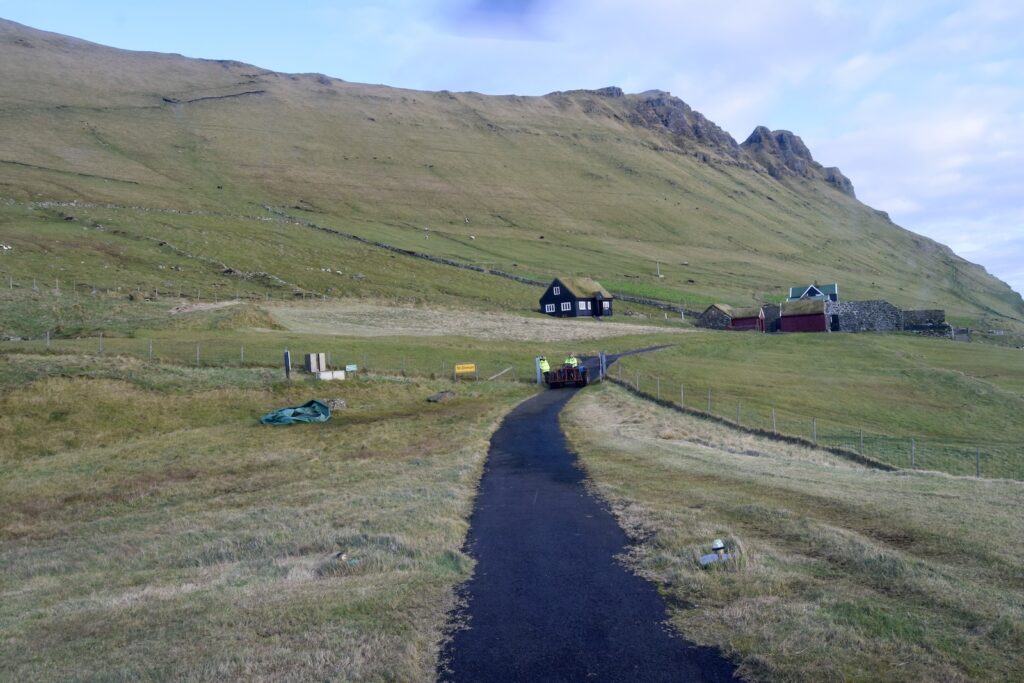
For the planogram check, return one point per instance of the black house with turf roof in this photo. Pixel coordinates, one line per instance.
(575, 297)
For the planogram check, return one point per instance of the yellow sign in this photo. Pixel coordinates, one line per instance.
(465, 368)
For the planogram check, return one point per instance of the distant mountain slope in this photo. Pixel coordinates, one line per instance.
(619, 186)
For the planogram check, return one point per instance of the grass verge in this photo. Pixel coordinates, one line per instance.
(153, 530)
(843, 573)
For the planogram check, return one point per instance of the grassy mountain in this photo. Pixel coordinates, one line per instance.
(193, 152)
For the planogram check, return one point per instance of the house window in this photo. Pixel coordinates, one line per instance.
(549, 308)
(556, 290)
(606, 304)
(566, 305)
(583, 305)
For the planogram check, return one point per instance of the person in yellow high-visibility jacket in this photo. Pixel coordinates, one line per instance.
(572, 361)
(545, 367)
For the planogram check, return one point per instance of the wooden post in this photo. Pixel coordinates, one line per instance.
(241, 355)
(101, 342)
(47, 339)
(151, 349)
(775, 429)
(682, 396)
(636, 384)
(197, 354)
(862, 442)
(977, 462)
(814, 429)
(913, 453)
(709, 401)
(657, 385)
(737, 412)
(403, 365)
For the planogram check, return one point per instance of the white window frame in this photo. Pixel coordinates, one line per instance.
(606, 304)
(549, 308)
(556, 290)
(583, 305)
(566, 305)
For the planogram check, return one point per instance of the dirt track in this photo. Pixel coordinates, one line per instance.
(373, 320)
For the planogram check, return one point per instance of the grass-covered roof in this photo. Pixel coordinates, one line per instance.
(584, 287)
(803, 307)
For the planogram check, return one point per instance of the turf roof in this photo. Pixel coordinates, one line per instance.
(584, 287)
(803, 307)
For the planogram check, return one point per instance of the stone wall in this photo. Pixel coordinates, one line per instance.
(925, 318)
(866, 316)
(714, 318)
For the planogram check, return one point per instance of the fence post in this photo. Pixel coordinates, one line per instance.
(636, 384)
(814, 429)
(657, 385)
(737, 412)
(101, 342)
(241, 356)
(403, 365)
(197, 354)
(977, 462)
(47, 339)
(709, 401)
(151, 349)
(913, 453)
(682, 396)
(775, 429)
(287, 365)
(862, 442)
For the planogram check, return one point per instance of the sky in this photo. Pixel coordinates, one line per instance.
(920, 103)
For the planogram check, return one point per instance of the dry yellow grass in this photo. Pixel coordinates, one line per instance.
(368, 319)
(843, 573)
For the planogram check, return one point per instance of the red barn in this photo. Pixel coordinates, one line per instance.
(805, 315)
(746, 320)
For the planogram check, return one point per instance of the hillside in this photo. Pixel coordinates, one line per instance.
(159, 149)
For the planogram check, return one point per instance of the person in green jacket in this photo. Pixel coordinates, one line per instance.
(572, 361)
(545, 367)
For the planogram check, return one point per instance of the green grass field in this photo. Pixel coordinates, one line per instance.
(152, 530)
(840, 573)
(951, 399)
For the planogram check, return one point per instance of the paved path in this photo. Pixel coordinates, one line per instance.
(548, 600)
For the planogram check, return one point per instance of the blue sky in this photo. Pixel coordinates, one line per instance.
(920, 103)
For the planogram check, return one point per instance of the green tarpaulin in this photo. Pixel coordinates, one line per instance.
(313, 411)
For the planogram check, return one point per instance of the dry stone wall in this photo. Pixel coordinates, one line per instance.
(866, 316)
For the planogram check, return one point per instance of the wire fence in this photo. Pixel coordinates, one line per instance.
(963, 457)
(225, 353)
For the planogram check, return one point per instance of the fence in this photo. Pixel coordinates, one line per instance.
(885, 451)
(224, 353)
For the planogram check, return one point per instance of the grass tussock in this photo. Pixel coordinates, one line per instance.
(840, 572)
(151, 531)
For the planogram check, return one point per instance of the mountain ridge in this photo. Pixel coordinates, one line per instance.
(637, 178)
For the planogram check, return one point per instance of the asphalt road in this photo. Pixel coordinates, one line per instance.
(549, 601)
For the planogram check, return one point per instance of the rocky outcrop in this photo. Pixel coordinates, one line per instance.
(781, 153)
(661, 111)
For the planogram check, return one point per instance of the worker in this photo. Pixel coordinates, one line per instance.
(572, 361)
(718, 554)
(545, 367)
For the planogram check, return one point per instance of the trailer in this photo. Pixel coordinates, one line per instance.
(567, 375)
